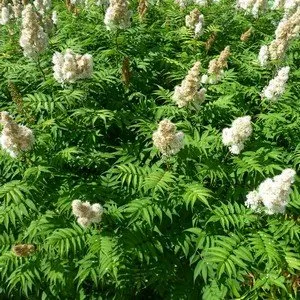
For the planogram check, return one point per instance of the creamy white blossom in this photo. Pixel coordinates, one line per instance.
(195, 21)
(237, 134)
(182, 3)
(278, 4)
(86, 213)
(185, 3)
(189, 92)
(54, 17)
(42, 6)
(166, 139)
(253, 200)
(104, 3)
(272, 194)
(77, 2)
(204, 78)
(70, 66)
(117, 15)
(15, 138)
(263, 55)
(276, 86)
(289, 6)
(5, 15)
(200, 2)
(199, 28)
(244, 4)
(287, 30)
(253, 7)
(258, 7)
(17, 8)
(33, 38)
(288, 27)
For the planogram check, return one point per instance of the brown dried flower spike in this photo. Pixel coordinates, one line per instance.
(16, 96)
(23, 250)
(71, 7)
(142, 9)
(18, 100)
(246, 35)
(126, 73)
(210, 41)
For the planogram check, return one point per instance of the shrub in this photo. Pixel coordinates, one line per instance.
(175, 224)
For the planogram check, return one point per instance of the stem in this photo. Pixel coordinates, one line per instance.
(168, 165)
(117, 46)
(38, 63)
(226, 156)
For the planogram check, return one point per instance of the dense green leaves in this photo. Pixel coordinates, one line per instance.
(173, 227)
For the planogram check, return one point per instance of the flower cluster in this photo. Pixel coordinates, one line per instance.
(79, 2)
(278, 4)
(42, 6)
(117, 15)
(263, 55)
(17, 8)
(103, 3)
(46, 19)
(277, 85)
(10, 11)
(54, 17)
(86, 213)
(287, 30)
(5, 15)
(272, 194)
(182, 3)
(195, 21)
(289, 6)
(188, 93)
(216, 67)
(23, 250)
(253, 7)
(70, 66)
(15, 138)
(201, 2)
(236, 135)
(166, 139)
(33, 38)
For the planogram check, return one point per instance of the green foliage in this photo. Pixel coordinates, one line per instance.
(173, 227)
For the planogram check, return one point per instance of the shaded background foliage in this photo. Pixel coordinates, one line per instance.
(172, 229)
